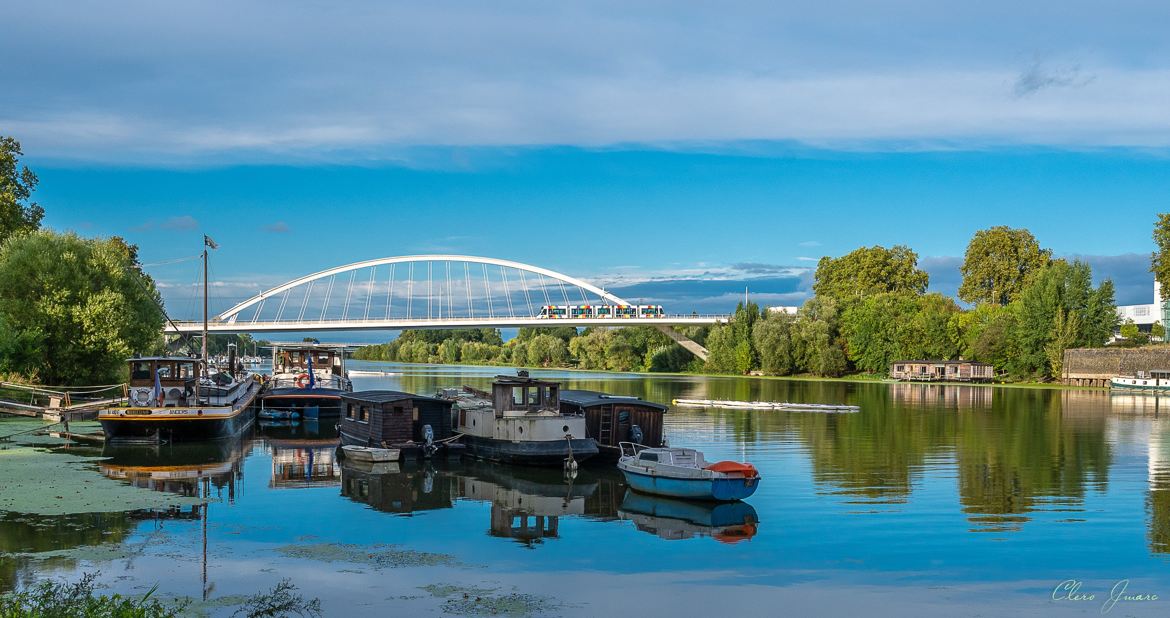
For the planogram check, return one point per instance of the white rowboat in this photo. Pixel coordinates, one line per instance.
(371, 455)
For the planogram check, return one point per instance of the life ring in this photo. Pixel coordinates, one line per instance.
(303, 380)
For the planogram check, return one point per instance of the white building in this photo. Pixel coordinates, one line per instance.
(1146, 315)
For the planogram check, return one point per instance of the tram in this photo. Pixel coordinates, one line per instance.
(603, 312)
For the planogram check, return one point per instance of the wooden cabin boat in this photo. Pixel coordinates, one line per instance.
(1157, 380)
(416, 425)
(672, 519)
(167, 401)
(613, 419)
(521, 422)
(683, 473)
(308, 379)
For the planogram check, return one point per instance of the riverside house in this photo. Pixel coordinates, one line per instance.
(941, 371)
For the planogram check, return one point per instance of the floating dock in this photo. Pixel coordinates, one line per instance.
(766, 405)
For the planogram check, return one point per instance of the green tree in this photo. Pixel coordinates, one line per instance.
(564, 333)
(17, 183)
(1160, 259)
(772, 338)
(985, 333)
(81, 306)
(589, 348)
(1157, 331)
(547, 351)
(448, 351)
(998, 262)
(729, 345)
(870, 270)
(1057, 309)
(817, 342)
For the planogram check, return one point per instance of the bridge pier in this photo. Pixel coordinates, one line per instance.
(690, 346)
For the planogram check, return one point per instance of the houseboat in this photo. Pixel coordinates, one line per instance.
(307, 381)
(415, 425)
(1157, 380)
(167, 401)
(520, 422)
(613, 419)
(941, 371)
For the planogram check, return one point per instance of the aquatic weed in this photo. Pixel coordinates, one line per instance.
(58, 599)
(377, 556)
(282, 600)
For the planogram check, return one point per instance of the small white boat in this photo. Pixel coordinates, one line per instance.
(684, 473)
(371, 455)
(766, 405)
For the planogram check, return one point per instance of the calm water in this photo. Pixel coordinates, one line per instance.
(933, 500)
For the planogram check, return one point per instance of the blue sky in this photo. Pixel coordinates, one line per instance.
(675, 151)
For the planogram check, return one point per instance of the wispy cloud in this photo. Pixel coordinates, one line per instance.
(810, 243)
(279, 227)
(1037, 76)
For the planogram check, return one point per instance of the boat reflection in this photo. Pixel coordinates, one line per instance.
(304, 454)
(191, 470)
(527, 504)
(670, 519)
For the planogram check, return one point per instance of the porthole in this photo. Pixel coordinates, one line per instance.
(565, 429)
(473, 422)
(520, 430)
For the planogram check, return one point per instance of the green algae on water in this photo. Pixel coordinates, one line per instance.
(377, 556)
(52, 483)
(472, 601)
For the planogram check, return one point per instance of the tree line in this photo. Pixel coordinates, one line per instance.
(72, 309)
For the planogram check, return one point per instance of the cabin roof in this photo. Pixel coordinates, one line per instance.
(315, 347)
(388, 396)
(588, 399)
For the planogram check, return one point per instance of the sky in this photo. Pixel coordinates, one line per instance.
(672, 151)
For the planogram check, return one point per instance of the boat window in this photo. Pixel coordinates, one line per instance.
(140, 371)
(534, 395)
(414, 413)
(517, 395)
(364, 414)
(164, 371)
(186, 370)
(551, 397)
(624, 416)
(644, 456)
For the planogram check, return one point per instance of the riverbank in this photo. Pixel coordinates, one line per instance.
(854, 379)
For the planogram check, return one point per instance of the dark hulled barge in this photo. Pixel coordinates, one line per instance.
(307, 381)
(167, 402)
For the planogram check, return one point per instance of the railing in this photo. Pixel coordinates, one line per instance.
(468, 319)
(631, 449)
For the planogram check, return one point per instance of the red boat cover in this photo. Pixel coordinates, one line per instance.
(747, 469)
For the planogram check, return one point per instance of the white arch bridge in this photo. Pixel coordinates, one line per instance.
(428, 292)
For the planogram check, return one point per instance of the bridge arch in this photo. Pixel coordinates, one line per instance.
(561, 279)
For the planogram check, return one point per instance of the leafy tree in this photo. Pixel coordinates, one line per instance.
(448, 351)
(1157, 331)
(985, 333)
(565, 333)
(17, 183)
(729, 345)
(589, 348)
(621, 355)
(998, 262)
(772, 339)
(1160, 259)
(817, 341)
(1057, 309)
(870, 270)
(667, 358)
(82, 306)
(547, 351)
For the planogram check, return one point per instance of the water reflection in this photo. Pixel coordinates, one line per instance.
(304, 454)
(728, 522)
(194, 470)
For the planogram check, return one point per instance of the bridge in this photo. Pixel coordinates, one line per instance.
(429, 292)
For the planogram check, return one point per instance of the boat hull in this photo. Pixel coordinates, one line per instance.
(718, 490)
(1138, 384)
(310, 403)
(530, 453)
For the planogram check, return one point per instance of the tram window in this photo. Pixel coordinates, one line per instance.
(517, 395)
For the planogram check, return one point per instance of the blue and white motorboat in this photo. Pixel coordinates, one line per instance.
(683, 473)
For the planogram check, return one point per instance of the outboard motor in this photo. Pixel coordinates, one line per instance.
(429, 446)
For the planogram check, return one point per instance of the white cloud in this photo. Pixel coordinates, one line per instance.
(181, 84)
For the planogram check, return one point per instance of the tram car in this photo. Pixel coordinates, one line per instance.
(579, 312)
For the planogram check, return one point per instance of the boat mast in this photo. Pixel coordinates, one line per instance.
(208, 243)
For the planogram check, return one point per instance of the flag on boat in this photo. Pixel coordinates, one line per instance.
(207, 241)
(312, 378)
(157, 395)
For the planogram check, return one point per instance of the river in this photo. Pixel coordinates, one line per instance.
(932, 500)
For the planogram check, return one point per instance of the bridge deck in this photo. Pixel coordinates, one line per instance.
(436, 323)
